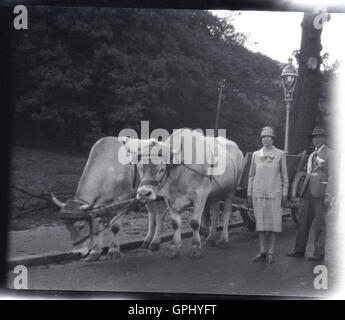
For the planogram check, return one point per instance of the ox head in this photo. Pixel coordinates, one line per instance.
(104, 180)
(152, 176)
(163, 158)
(150, 166)
(78, 222)
(154, 170)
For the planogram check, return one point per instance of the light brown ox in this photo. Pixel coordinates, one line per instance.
(192, 185)
(104, 180)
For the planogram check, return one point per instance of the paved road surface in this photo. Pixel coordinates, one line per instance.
(45, 239)
(218, 271)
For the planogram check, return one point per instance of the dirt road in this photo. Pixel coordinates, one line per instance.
(218, 271)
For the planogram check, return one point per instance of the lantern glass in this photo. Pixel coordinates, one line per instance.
(289, 78)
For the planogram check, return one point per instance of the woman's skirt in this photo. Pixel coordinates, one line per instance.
(268, 214)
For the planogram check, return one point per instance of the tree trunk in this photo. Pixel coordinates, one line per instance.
(305, 111)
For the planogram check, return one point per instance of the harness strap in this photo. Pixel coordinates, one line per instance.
(125, 209)
(211, 177)
(74, 202)
(154, 182)
(80, 201)
(81, 240)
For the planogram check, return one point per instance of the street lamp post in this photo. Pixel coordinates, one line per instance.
(222, 83)
(289, 78)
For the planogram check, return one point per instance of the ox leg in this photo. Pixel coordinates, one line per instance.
(95, 249)
(212, 237)
(199, 205)
(96, 243)
(206, 221)
(160, 212)
(223, 242)
(152, 226)
(175, 245)
(114, 249)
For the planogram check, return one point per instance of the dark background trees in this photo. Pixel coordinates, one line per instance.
(313, 91)
(84, 73)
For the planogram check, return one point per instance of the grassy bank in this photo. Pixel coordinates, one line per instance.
(39, 173)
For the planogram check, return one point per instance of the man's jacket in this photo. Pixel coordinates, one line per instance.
(320, 173)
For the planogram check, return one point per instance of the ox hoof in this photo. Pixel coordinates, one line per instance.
(223, 244)
(114, 255)
(155, 246)
(145, 245)
(196, 253)
(211, 242)
(173, 253)
(93, 256)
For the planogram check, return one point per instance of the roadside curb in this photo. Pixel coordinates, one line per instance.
(61, 257)
(43, 259)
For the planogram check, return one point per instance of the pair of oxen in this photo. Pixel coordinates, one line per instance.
(160, 185)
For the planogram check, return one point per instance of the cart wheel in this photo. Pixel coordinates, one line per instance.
(295, 214)
(297, 184)
(248, 219)
(296, 188)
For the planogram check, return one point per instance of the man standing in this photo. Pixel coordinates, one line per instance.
(317, 193)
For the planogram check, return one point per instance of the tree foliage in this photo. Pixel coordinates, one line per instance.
(83, 73)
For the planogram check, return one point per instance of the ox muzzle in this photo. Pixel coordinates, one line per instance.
(147, 190)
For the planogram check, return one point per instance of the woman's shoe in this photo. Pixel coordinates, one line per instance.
(260, 257)
(270, 258)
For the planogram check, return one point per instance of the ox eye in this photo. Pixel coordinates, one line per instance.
(81, 227)
(162, 170)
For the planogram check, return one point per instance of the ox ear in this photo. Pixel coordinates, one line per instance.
(124, 140)
(176, 156)
(132, 146)
(126, 155)
(153, 142)
(144, 146)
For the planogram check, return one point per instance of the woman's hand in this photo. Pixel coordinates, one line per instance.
(284, 201)
(250, 202)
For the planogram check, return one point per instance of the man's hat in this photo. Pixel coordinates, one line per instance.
(267, 131)
(318, 131)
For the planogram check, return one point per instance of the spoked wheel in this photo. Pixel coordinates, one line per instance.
(295, 212)
(248, 219)
(296, 188)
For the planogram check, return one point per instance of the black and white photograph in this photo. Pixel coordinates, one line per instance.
(176, 151)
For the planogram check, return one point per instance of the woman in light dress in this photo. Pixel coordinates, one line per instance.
(267, 191)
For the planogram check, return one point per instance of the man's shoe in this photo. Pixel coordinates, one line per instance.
(316, 257)
(295, 254)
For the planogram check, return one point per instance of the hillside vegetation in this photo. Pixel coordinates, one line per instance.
(83, 73)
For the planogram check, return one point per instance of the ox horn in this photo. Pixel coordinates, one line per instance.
(84, 206)
(57, 201)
